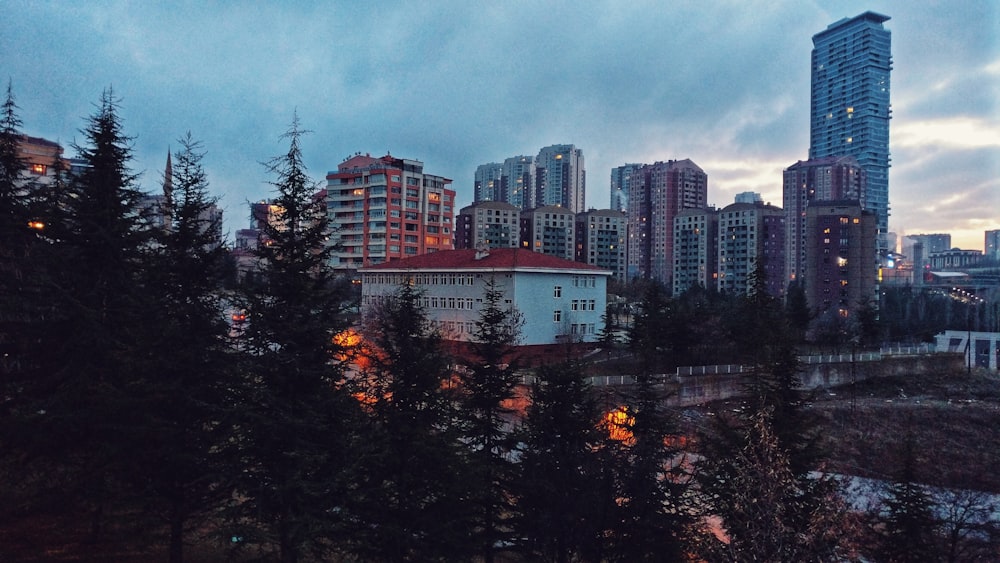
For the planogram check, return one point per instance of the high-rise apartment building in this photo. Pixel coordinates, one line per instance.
(381, 209)
(621, 180)
(696, 242)
(600, 240)
(991, 245)
(555, 177)
(849, 108)
(561, 178)
(520, 175)
(550, 230)
(658, 192)
(487, 185)
(831, 178)
(489, 224)
(841, 268)
(751, 238)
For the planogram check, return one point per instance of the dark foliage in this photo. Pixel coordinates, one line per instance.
(295, 420)
(408, 501)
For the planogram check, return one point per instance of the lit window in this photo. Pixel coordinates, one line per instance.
(38, 169)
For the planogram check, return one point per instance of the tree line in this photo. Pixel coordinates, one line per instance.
(130, 400)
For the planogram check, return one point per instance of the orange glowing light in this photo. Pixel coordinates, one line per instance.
(619, 425)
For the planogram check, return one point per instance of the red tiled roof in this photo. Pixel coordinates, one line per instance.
(497, 259)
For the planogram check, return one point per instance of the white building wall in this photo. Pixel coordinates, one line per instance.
(454, 300)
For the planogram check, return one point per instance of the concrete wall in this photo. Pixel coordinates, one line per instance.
(694, 389)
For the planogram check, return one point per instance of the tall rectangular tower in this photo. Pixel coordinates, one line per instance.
(382, 209)
(562, 178)
(658, 192)
(849, 108)
(810, 182)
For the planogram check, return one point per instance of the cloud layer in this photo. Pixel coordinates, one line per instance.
(457, 84)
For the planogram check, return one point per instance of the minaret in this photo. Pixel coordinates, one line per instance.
(168, 194)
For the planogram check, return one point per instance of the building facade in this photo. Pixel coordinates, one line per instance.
(487, 186)
(658, 192)
(600, 240)
(695, 249)
(991, 245)
(931, 243)
(561, 178)
(520, 175)
(387, 208)
(489, 224)
(831, 178)
(549, 230)
(841, 270)
(954, 259)
(621, 180)
(751, 237)
(560, 300)
(849, 106)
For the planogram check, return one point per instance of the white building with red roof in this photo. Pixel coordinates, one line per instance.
(560, 300)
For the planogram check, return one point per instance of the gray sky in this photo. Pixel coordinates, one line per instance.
(456, 84)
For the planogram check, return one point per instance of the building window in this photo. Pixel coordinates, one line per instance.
(556, 316)
(557, 291)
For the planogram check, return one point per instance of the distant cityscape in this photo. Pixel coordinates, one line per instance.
(830, 236)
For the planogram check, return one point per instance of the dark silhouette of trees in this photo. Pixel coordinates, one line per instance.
(409, 500)
(295, 421)
(182, 469)
(488, 389)
(84, 404)
(653, 517)
(558, 507)
(909, 524)
(769, 502)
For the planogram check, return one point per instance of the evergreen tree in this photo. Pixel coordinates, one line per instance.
(764, 511)
(82, 408)
(296, 420)
(909, 524)
(488, 385)
(408, 502)
(772, 417)
(187, 394)
(559, 507)
(17, 288)
(797, 309)
(653, 517)
(648, 337)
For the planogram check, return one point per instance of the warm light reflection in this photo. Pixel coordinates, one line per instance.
(619, 425)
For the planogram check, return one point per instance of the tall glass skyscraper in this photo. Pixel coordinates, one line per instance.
(849, 109)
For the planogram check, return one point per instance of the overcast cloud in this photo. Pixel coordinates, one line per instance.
(458, 84)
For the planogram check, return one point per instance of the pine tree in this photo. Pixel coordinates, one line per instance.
(82, 406)
(409, 498)
(773, 411)
(296, 420)
(653, 519)
(559, 505)
(909, 524)
(488, 386)
(647, 338)
(17, 288)
(764, 512)
(187, 395)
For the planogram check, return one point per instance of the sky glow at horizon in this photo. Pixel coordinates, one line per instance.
(459, 84)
